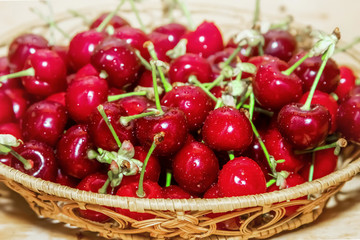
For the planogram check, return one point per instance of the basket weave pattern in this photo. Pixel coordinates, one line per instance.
(260, 216)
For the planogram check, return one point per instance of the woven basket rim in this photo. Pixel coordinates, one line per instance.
(226, 204)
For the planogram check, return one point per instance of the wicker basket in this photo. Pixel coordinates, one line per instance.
(261, 216)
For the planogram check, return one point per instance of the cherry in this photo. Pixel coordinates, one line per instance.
(304, 129)
(346, 83)
(93, 183)
(100, 132)
(175, 192)
(325, 162)
(72, 150)
(174, 31)
(241, 176)
(58, 97)
(308, 70)
(327, 101)
(116, 21)
(23, 46)
(20, 101)
(226, 129)
(44, 121)
(205, 40)
(195, 167)
(190, 64)
(291, 181)
(172, 123)
(134, 105)
(84, 95)
(65, 179)
(279, 43)
(6, 108)
(273, 88)
(42, 158)
(82, 46)
(12, 129)
(62, 51)
(151, 189)
(6, 159)
(87, 70)
(348, 118)
(4, 70)
(193, 101)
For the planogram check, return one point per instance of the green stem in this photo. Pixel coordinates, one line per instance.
(107, 121)
(7, 149)
(135, 10)
(348, 46)
(291, 69)
(23, 73)
(219, 103)
(232, 56)
(195, 81)
(244, 98)
(311, 170)
(103, 189)
(251, 105)
(106, 21)
(270, 182)
(341, 142)
(187, 14)
(217, 81)
(307, 104)
(143, 61)
(156, 92)
(262, 145)
(256, 12)
(231, 155)
(168, 178)
(124, 95)
(140, 192)
(124, 120)
(260, 110)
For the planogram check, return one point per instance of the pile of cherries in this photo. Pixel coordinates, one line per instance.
(175, 113)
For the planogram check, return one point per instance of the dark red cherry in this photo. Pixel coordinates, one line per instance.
(117, 58)
(134, 105)
(12, 129)
(205, 40)
(279, 148)
(116, 21)
(195, 167)
(304, 129)
(4, 70)
(346, 83)
(175, 192)
(193, 101)
(291, 181)
(93, 183)
(23, 46)
(173, 125)
(6, 159)
(20, 101)
(226, 129)
(6, 108)
(272, 88)
(241, 176)
(43, 161)
(72, 150)
(101, 133)
(280, 43)
(65, 179)
(325, 162)
(44, 121)
(307, 71)
(190, 64)
(58, 97)
(82, 46)
(87, 70)
(327, 101)
(348, 118)
(151, 189)
(84, 95)
(50, 73)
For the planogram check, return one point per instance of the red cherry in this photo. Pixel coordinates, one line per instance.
(23, 46)
(346, 83)
(226, 129)
(82, 46)
(44, 164)
(84, 95)
(241, 176)
(304, 129)
(116, 21)
(348, 118)
(193, 101)
(12, 129)
(20, 101)
(190, 64)
(65, 179)
(87, 70)
(205, 40)
(72, 150)
(62, 51)
(175, 192)
(272, 88)
(4, 70)
(172, 123)
(44, 121)
(195, 167)
(58, 97)
(6, 159)
(280, 44)
(151, 189)
(309, 68)
(6, 108)
(174, 31)
(134, 105)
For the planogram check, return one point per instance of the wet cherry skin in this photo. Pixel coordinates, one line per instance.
(11, 128)
(346, 83)
(65, 179)
(21, 100)
(6, 108)
(175, 192)
(348, 118)
(279, 43)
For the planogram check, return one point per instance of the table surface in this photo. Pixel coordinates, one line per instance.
(340, 219)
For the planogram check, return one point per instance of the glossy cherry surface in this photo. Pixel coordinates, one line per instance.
(348, 118)
(116, 21)
(6, 108)
(134, 105)
(65, 179)
(11, 128)
(280, 44)
(346, 83)
(175, 192)
(21, 100)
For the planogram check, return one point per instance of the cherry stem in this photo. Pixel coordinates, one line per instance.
(108, 18)
(340, 143)
(124, 95)
(156, 92)
(27, 164)
(232, 56)
(311, 170)
(231, 155)
(124, 120)
(23, 73)
(140, 192)
(168, 177)
(219, 103)
(193, 79)
(218, 80)
(244, 98)
(306, 106)
(348, 46)
(135, 10)
(262, 145)
(291, 69)
(251, 105)
(143, 61)
(260, 110)
(187, 14)
(256, 12)
(100, 108)
(103, 189)
(151, 49)
(270, 182)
